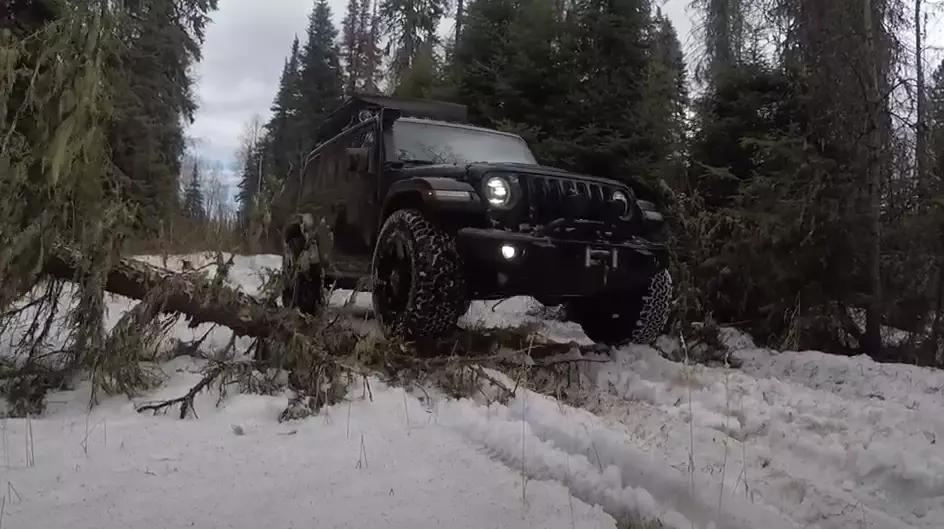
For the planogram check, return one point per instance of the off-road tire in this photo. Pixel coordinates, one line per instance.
(302, 289)
(628, 318)
(436, 295)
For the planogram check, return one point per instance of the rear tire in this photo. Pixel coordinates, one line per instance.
(303, 280)
(628, 318)
(418, 287)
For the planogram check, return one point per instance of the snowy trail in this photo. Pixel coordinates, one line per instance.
(363, 464)
(792, 439)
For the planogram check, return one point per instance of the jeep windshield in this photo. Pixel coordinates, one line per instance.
(428, 142)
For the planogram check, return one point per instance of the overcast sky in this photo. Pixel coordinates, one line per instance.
(246, 46)
(243, 55)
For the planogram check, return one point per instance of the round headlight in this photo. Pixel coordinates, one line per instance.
(497, 191)
(621, 202)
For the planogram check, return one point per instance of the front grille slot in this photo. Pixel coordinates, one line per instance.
(550, 198)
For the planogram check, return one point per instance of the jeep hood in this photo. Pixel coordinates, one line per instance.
(641, 189)
(539, 170)
(478, 169)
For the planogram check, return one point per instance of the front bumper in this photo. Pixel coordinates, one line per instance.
(548, 268)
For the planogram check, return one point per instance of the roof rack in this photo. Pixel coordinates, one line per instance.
(405, 107)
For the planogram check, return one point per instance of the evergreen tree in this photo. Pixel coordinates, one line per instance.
(320, 88)
(600, 128)
(284, 130)
(724, 33)
(360, 48)
(371, 54)
(153, 99)
(409, 25)
(252, 154)
(193, 195)
(424, 77)
(351, 51)
(513, 64)
(665, 100)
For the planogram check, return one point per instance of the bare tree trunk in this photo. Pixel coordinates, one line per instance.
(460, 15)
(921, 131)
(873, 335)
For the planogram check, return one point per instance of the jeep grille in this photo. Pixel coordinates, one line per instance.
(550, 198)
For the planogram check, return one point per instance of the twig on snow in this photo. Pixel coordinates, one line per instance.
(186, 401)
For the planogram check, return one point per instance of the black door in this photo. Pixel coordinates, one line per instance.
(355, 210)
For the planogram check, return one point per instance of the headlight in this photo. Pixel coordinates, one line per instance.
(497, 191)
(621, 201)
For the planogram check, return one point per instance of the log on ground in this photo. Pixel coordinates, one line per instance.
(203, 300)
(208, 301)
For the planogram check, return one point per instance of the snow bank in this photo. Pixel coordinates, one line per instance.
(827, 459)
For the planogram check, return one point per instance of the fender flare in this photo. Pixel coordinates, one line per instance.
(433, 194)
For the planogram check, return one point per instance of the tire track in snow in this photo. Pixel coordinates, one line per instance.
(516, 445)
(802, 453)
(531, 436)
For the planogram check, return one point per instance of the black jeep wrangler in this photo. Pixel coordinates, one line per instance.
(402, 198)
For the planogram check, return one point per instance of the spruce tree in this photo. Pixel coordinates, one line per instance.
(320, 89)
(153, 100)
(599, 128)
(193, 195)
(283, 131)
(371, 54)
(351, 48)
(665, 100)
(512, 62)
(408, 25)
(360, 47)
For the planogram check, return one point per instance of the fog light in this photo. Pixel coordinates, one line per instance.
(508, 251)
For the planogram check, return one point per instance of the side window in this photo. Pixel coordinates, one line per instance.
(366, 139)
(390, 148)
(310, 177)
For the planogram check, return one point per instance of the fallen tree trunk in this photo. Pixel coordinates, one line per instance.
(204, 301)
(207, 301)
(321, 354)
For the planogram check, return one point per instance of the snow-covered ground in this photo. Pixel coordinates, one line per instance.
(792, 439)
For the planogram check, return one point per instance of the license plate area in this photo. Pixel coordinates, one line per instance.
(605, 257)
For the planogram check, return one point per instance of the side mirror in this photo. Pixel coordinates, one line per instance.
(358, 159)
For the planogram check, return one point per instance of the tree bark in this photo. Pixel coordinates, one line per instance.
(206, 301)
(873, 321)
(920, 131)
(203, 300)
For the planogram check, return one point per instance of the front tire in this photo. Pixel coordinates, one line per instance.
(418, 287)
(627, 318)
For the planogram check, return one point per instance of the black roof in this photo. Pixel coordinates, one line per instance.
(405, 107)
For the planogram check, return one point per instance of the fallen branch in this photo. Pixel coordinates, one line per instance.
(186, 401)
